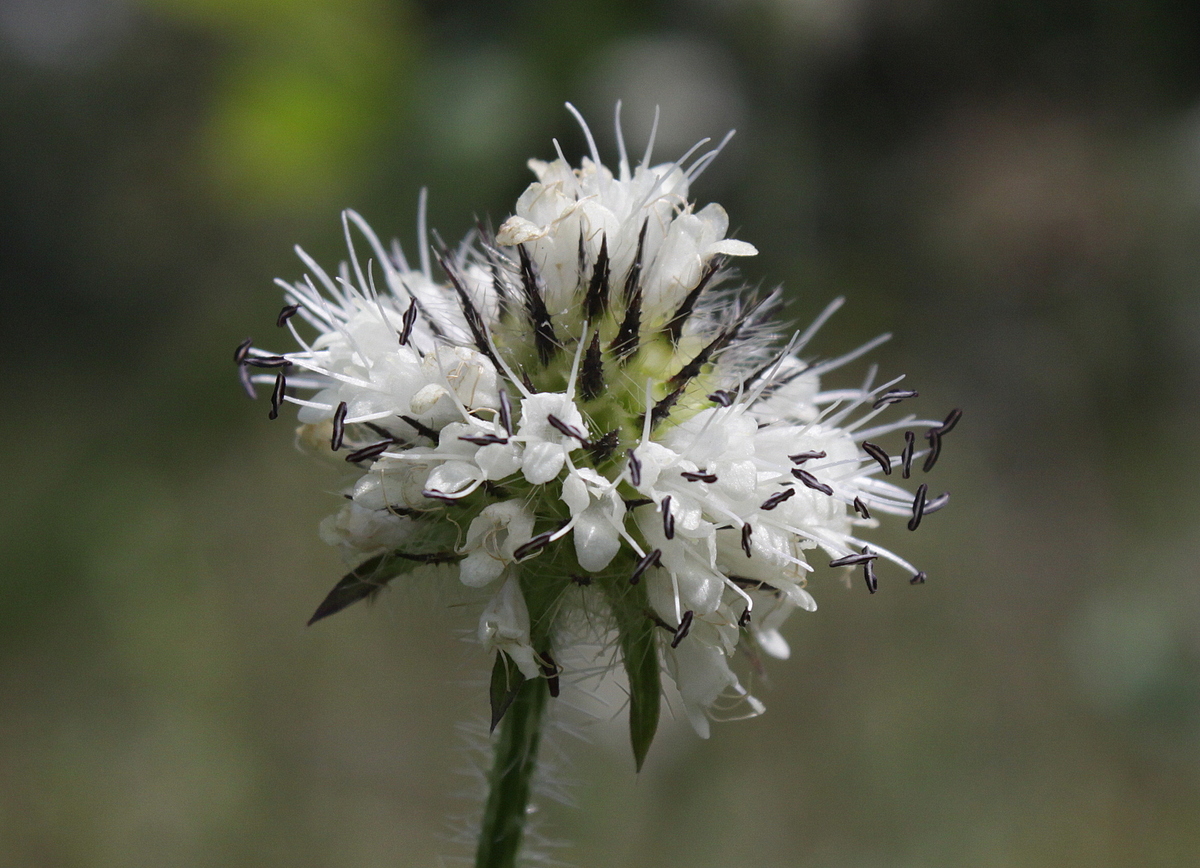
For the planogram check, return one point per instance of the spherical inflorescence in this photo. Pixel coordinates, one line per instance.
(584, 410)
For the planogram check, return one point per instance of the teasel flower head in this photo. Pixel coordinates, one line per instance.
(585, 415)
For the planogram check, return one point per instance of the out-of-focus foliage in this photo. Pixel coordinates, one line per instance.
(295, 105)
(1011, 186)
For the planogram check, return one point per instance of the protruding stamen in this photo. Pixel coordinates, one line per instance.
(918, 508)
(744, 618)
(635, 469)
(505, 412)
(536, 544)
(685, 624)
(869, 575)
(407, 322)
(775, 499)
(651, 559)
(906, 456)
(239, 355)
(722, 396)
(937, 503)
(266, 361)
(877, 452)
(854, 560)
(483, 439)
(567, 429)
(668, 518)
(286, 314)
(339, 426)
(948, 425)
(919, 578)
(277, 395)
(935, 449)
(811, 481)
(801, 457)
(894, 396)
(747, 531)
(368, 453)
(431, 322)
(701, 476)
(861, 508)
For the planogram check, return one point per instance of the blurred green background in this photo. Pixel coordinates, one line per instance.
(1012, 186)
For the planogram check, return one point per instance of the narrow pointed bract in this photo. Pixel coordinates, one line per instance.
(362, 583)
(595, 303)
(674, 326)
(535, 305)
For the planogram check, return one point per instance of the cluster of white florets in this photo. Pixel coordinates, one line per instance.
(578, 408)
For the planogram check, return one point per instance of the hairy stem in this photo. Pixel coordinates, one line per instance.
(511, 778)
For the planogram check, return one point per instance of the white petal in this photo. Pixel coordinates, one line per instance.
(427, 397)
(517, 230)
(495, 534)
(700, 589)
(358, 530)
(702, 674)
(733, 247)
(498, 460)
(739, 479)
(773, 643)
(452, 476)
(542, 461)
(653, 457)
(504, 626)
(800, 597)
(575, 494)
(479, 568)
(596, 539)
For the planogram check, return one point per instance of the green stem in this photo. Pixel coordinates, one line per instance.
(512, 777)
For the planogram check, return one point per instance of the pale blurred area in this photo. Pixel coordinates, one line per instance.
(1011, 186)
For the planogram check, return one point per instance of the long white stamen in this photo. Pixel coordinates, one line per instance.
(623, 160)
(646, 157)
(703, 163)
(423, 232)
(587, 133)
(823, 367)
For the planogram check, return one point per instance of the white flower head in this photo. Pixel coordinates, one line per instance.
(585, 400)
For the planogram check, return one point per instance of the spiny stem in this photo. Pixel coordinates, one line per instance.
(511, 778)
